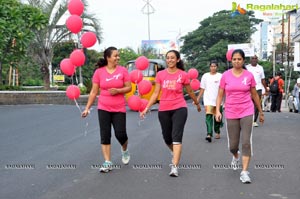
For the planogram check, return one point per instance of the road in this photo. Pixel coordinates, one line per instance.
(49, 151)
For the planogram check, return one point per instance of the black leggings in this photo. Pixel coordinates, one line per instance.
(276, 102)
(172, 124)
(118, 120)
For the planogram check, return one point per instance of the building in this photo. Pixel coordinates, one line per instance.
(271, 37)
(296, 40)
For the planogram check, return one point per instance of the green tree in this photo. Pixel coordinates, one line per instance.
(62, 50)
(127, 54)
(209, 41)
(45, 40)
(17, 24)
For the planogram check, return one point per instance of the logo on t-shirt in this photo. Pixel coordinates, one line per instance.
(113, 77)
(169, 84)
(179, 79)
(244, 81)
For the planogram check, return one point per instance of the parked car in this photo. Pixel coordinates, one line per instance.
(292, 104)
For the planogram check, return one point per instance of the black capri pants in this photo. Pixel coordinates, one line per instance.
(172, 124)
(115, 119)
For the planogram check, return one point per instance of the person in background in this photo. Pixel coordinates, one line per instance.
(266, 103)
(238, 85)
(172, 112)
(259, 76)
(113, 82)
(209, 89)
(296, 93)
(277, 97)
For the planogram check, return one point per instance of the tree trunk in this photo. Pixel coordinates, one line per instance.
(45, 72)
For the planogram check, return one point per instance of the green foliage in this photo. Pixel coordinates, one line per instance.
(210, 40)
(127, 54)
(29, 73)
(62, 88)
(42, 48)
(17, 25)
(11, 88)
(83, 90)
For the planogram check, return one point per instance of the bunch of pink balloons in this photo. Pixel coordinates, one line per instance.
(193, 75)
(143, 86)
(74, 24)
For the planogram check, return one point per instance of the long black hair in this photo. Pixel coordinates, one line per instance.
(179, 64)
(107, 53)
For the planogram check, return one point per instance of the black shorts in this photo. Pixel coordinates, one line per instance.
(172, 124)
(115, 119)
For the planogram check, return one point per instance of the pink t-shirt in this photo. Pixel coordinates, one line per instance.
(105, 80)
(172, 89)
(238, 101)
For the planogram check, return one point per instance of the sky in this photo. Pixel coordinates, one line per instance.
(125, 25)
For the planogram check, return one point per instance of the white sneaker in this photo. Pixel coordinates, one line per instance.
(235, 162)
(106, 167)
(125, 156)
(174, 170)
(244, 177)
(255, 124)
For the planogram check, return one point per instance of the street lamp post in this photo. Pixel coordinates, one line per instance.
(148, 9)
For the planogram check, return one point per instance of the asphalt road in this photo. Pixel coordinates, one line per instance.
(49, 151)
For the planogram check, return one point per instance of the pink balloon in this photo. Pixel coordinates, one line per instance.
(134, 102)
(67, 67)
(144, 87)
(193, 73)
(74, 23)
(136, 76)
(88, 39)
(76, 7)
(195, 84)
(77, 57)
(73, 92)
(229, 54)
(142, 63)
(144, 103)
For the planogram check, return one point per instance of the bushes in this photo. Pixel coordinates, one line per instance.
(33, 82)
(11, 88)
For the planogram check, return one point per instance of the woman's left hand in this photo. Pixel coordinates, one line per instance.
(261, 118)
(113, 91)
(198, 107)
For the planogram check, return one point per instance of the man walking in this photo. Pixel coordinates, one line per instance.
(277, 95)
(259, 76)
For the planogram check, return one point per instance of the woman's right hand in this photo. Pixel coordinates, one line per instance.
(218, 116)
(85, 113)
(143, 113)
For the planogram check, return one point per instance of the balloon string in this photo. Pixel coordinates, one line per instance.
(86, 123)
(77, 105)
(143, 119)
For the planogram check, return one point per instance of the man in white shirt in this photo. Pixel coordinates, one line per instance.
(259, 76)
(209, 89)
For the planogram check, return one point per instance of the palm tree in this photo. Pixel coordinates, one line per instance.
(45, 40)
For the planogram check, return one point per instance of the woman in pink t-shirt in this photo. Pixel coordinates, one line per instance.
(238, 85)
(172, 111)
(113, 82)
